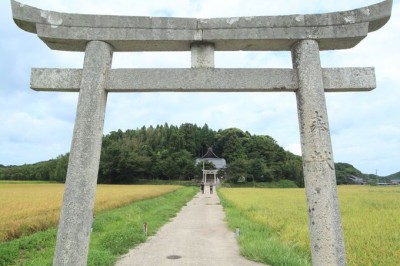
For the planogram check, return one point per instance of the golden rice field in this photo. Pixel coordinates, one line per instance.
(370, 217)
(26, 208)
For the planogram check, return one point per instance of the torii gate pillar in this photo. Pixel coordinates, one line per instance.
(318, 165)
(83, 166)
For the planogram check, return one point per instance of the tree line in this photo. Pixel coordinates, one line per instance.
(168, 152)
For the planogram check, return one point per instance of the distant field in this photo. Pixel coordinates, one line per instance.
(30, 207)
(371, 218)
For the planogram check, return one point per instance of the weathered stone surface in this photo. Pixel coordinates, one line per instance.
(53, 79)
(326, 234)
(202, 55)
(349, 79)
(71, 32)
(277, 39)
(198, 80)
(80, 185)
(377, 15)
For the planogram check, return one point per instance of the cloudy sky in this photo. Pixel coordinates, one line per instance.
(365, 126)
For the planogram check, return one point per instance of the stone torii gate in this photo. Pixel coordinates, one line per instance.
(209, 172)
(304, 35)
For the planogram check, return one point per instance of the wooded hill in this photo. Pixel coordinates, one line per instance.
(394, 176)
(168, 152)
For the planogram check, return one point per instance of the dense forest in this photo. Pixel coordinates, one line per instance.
(168, 152)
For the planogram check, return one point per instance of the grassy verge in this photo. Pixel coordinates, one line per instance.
(114, 232)
(261, 243)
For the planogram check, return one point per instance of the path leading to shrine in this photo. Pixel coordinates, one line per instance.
(198, 235)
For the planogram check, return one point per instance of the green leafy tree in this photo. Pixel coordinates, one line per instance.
(59, 172)
(230, 143)
(258, 170)
(237, 169)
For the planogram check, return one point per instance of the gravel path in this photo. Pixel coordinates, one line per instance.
(198, 235)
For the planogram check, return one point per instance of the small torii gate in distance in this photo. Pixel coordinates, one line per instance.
(304, 35)
(209, 172)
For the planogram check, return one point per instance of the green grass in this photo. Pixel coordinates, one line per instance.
(114, 232)
(260, 243)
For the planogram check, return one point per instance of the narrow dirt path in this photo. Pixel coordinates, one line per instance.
(198, 235)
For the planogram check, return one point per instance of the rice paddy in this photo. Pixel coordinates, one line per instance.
(29, 207)
(370, 217)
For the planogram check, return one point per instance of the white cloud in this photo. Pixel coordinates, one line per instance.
(364, 126)
(294, 148)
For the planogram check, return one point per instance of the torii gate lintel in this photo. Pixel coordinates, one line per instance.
(303, 35)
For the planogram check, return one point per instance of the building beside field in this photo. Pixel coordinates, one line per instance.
(395, 181)
(356, 180)
(210, 156)
(219, 164)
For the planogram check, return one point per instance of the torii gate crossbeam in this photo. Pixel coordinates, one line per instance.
(304, 35)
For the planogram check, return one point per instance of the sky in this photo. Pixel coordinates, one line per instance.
(365, 126)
